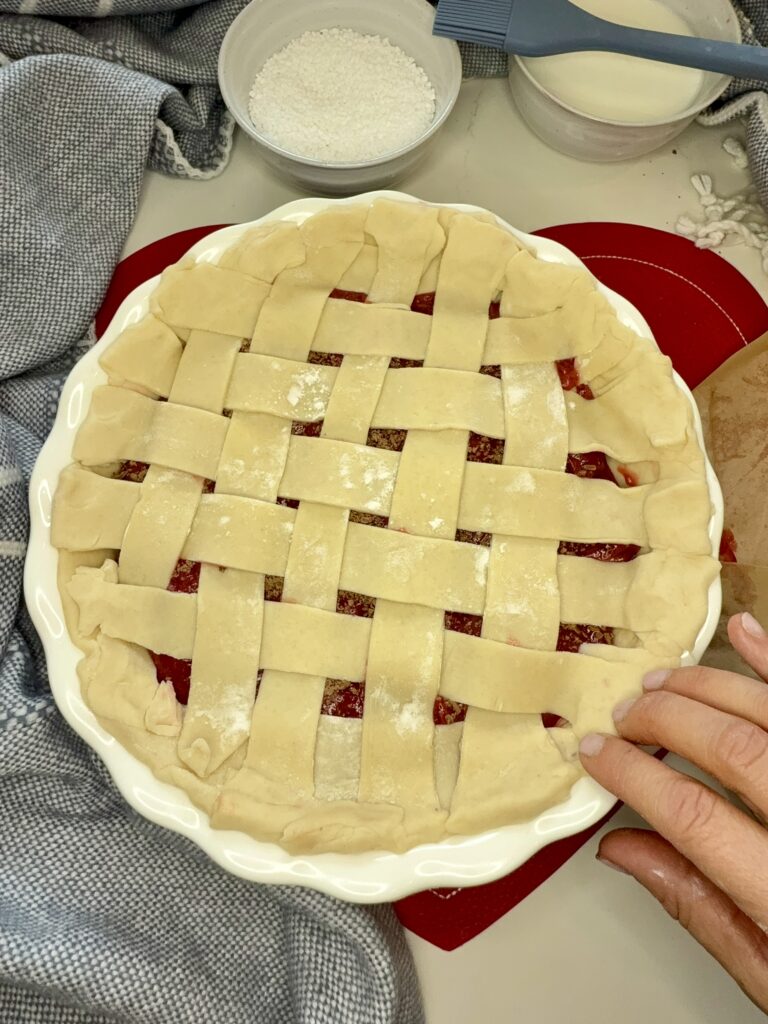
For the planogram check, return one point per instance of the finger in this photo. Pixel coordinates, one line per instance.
(723, 843)
(701, 908)
(737, 695)
(749, 638)
(731, 749)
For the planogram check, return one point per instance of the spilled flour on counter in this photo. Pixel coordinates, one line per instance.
(728, 220)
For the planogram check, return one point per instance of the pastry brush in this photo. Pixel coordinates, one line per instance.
(539, 28)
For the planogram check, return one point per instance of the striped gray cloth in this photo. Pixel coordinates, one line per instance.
(104, 916)
(747, 98)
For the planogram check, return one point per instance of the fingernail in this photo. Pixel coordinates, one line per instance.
(621, 711)
(655, 680)
(592, 744)
(610, 864)
(752, 626)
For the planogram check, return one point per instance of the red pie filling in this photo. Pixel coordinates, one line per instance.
(728, 547)
(343, 698)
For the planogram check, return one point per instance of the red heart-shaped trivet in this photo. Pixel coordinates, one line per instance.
(700, 309)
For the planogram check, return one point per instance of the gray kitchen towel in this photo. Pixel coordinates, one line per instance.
(104, 916)
(747, 98)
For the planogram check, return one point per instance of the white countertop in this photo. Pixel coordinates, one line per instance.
(589, 946)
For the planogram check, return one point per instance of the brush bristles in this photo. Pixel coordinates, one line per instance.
(474, 21)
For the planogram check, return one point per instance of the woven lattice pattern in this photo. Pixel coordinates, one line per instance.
(339, 454)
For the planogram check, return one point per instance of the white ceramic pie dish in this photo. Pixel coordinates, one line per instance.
(364, 877)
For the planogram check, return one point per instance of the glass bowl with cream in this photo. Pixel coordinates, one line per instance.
(606, 106)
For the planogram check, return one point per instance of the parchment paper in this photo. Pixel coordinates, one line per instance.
(733, 402)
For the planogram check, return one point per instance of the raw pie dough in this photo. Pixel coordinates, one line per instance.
(206, 388)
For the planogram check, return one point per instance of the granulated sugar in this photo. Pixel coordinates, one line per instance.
(341, 97)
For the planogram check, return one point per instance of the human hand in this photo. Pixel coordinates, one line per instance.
(707, 862)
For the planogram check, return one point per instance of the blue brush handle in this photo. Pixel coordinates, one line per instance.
(737, 59)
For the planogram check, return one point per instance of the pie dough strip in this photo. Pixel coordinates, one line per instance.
(91, 511)
(145, 356)
(265, 251)
(280, 765)
(361, 272)
(225, 662)
(315, 556)
(354, 398)
(339, 473)
(534, 287)
(411, 399)
(358, 328)
(415, 570)
(471, 272)
(124, 425)
(433, 398)
(510, 770)
(429, 481)
(247, 534)
(523, 502)
(281, 387)
(662, 596)
(157, 619)
(204, 370)
(537, 431)
(290, 315)
(502, 678)
(523, 604)
(429, 278)
(522, 600)
(241, 533)
(337, 758)
(253, 457)
(249, 435)
(406, 641)
(403, 234)
(398, 729)
(159, 526)
(204, 297)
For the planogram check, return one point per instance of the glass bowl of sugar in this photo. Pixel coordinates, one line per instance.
(341, 96)
(604, 106)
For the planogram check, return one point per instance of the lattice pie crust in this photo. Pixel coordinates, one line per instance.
(211, 385)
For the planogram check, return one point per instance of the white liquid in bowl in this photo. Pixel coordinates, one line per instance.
(619, 88)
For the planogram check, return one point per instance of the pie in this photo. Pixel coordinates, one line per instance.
(375, 517)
